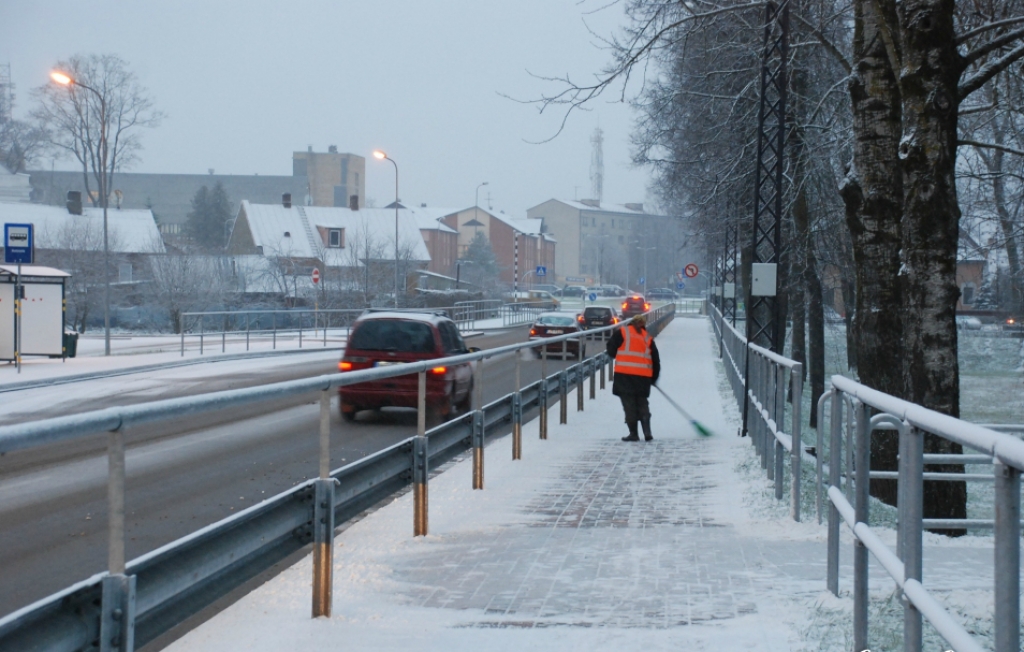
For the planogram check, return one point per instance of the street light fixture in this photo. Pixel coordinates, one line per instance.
(381, 156)
(66, 80)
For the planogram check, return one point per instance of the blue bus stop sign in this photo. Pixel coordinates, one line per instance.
(19, 244)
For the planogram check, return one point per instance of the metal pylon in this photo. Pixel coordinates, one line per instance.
(729, 272)
(763, 319)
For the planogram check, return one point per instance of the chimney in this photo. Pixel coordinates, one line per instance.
(286, 200)
(353, 202)
(310, 149)
(74, 202)
(423, 205)
(593, 203)
(333, 149)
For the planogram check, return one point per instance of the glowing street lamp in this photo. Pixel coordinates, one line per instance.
(66, 80)
(381, 156)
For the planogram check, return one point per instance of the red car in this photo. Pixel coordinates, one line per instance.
(391, 338)
(634, 305)
(550, 324)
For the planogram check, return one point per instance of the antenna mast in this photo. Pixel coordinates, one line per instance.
(597, 164)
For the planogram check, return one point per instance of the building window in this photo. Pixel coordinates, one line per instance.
(967, 294)
(124, 273)
(621, 241)
(336, 238)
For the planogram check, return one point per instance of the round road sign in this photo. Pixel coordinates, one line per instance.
(315, 276)
(690, 270)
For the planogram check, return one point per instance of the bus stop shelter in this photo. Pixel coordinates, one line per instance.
(42, 319)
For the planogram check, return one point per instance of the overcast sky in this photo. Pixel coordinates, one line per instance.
(246, 83)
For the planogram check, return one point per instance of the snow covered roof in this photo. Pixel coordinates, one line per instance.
(14, 187)
(293, 232)
(33, 270)
(527, 225)
(130, 231)
(602, 208)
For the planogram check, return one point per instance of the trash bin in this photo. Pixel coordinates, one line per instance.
(70, 343)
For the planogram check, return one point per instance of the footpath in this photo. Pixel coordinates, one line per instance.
(587, 543)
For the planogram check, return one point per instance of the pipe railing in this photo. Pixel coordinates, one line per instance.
(138, 600)
(761, 396)
(870, 410)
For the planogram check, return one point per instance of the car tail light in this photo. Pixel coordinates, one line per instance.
(533, 331)
(438, 370)
(624, 305)
(344, 365)
(647, 306)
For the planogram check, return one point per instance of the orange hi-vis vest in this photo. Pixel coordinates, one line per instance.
(634, 355)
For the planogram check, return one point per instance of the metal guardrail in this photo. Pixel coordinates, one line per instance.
(870, 410)
(760, 380)
(135, 602)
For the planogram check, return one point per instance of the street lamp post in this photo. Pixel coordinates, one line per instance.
(65, 80)
(379, 155)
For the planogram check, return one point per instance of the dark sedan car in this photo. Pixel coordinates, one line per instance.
(662, 293)
(634, 305)
(598, 316)
(551, 324)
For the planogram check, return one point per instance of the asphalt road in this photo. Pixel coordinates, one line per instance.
(185, 475)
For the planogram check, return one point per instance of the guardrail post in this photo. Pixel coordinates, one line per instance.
(563, 397)
(862, 467)
(246, 331)
(517, 412)
(117, 615)
(419, 462)
(795, 489)
(594, 363)
(542, 398)
(478, 449)
(117, 610)
(605, 363)
(835, 458)
(323, 518)
(910, 548)
(580, 372)
(1007, 557)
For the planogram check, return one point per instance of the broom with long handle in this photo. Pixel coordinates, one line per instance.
(701, 430)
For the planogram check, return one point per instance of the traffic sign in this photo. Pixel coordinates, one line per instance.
(576, 279)
(691, 270)
(592, 296)
(642, 281)
(541, 271)
(19, 244)
(681, 285)
(315, 276)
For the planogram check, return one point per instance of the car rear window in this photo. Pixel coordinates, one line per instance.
(554, 320)
(393, 335)
(596, 312)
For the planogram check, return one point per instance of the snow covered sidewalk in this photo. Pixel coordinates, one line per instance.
(586, 543)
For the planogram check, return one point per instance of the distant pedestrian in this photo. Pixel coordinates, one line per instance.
(637, 367)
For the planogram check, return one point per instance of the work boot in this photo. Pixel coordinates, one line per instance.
(632, 436)
(646, 423)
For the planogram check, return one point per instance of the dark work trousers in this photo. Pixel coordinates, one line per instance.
(634, 404)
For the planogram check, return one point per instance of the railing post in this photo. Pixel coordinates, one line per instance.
(117, 609)
(1007, 557)
(542, 398)
(563, 397)
(273, 325)
(767, 442)
(595, 362)
(911, 494)
(517, 412)
(246, 331)
(323, 517)
(580, 373)
(478, 449)
(862, 466)
(780, 426)
(835, 458)
(605, 363)
(419, 462)
(795, 487)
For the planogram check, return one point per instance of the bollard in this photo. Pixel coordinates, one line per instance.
(542, 397)
(323, 517)
(517, 413)
(419, 463)
(563, 397)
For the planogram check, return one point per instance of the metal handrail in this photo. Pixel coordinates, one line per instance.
(176, 581)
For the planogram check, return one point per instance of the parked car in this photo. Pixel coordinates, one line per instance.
(597, 316)
(613, 291)
(634, 305)
(968, 323)
(662, 293)
(380, 339)
(536, 299)
(550, 324)
(574, 291)
(553, 290)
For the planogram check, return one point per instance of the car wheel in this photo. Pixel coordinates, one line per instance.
(349, 417)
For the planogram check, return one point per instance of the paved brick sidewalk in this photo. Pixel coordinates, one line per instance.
(587, 543)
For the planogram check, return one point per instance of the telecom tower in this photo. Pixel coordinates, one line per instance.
(6, 93)
(597, 164)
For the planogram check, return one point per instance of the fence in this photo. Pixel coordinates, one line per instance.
(262, 323)
(761, 391)
(135, 602)
(870, 410)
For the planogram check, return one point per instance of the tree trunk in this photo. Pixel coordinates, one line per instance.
(931, 214)
(996, 170)
(873, 195)
(816, 319)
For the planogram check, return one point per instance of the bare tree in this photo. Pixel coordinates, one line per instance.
(185, 283)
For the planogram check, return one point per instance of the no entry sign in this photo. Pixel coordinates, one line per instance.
(315, 276)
